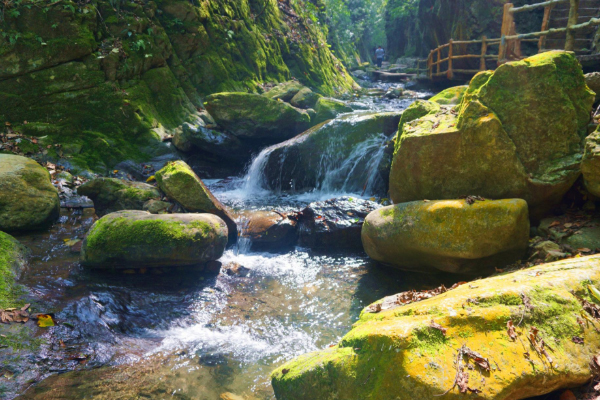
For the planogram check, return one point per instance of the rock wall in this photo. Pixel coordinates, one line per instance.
(101, 82)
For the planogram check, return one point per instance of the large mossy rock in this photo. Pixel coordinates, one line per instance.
(448, 235)
(590, 166)
(398, 353)
(337, 155)
(305, 98)
(516, 134)
(13, 257)
(28, 201)
(328, 108)
(284, 91)
(181, 184)
(130, 239)
(111, 194)
(450, 96)
(251, 116)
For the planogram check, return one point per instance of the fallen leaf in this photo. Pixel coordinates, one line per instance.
(438, 327)
(511, 330)
(284, 371)
(553, 224)
(577, 339)
(45, 321)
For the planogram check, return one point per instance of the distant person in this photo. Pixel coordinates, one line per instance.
(379, 54)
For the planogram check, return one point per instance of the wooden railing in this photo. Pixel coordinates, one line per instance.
(440, 62)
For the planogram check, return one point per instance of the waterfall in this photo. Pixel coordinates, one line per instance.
(343, 165)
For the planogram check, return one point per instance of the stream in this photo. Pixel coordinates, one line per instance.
(189, 335)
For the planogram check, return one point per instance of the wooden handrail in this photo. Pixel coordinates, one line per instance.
(529, 7)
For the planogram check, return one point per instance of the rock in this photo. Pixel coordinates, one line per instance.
(486, 146)
(251, 116)
(451, 96)
(28, 201)
(13, 257)
(578, 235)
(212, 141)
(548, 251)
(305, 98)
(157, 206)
(235, 269)
(181, 184)
(334, 224)
(448, 235)
(393, 93)
(127, 239)
(593, 81)
(338, 155)
(284, 91)
(181, 141)
(268, 230)
(111, 194)
(590, 165)
(402, 353)
(328, 108)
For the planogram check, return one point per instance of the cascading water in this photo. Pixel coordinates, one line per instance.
(343, 164)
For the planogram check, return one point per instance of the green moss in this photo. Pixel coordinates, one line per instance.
(428, 340)
(450, 96)
(12, 261)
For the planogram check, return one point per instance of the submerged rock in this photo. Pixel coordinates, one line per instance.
(251, 116)
(284, 91)
(448, 235)
(129, 239)
(502, 141)
(28, 200)
(451, 96)
(334, 224)
(328, 108)
(111, 194)
(305, 98)
(344, 154)
(512, 336)
(590, 166)
(181, 184)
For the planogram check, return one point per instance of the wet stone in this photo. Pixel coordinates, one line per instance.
(334, 224)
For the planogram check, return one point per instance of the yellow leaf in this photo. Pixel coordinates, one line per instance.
(45, 321)
(115, 171)
(594, 292)
(151, 179)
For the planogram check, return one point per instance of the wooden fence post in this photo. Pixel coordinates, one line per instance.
(482, 63)
(439, 57)
(545, 23)
(573, 16)
(450, 74)
(507, 24)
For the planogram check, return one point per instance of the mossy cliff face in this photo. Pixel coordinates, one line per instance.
(396, 354)
(448, 235)
(517, 133)
(28, 201)
(106, 84)
(129, 239)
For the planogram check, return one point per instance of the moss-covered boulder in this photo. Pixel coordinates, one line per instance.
(328, 108)
(28, 201)
(305, 99)
(512, 336)
(516, 134)
(112, 194)
(130, 239)
(450, 96)
(448, 235)
(212, 141)
(284, 91)
(251, 116)
(181, 184)
(590, 166)
(13, 257)
(338, 155)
